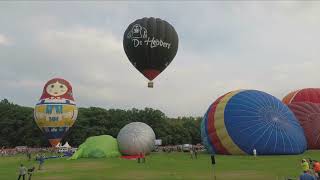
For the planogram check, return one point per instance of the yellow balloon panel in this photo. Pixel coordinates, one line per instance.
(55, 115)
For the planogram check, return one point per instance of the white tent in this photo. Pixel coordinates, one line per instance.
(66, 145)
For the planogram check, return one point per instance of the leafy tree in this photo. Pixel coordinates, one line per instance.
(18, 127)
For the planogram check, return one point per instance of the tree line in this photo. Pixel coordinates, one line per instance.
(18, 127)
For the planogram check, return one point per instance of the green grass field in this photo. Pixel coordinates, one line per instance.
(162, 166)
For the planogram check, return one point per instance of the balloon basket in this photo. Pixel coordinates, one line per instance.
(150, 84)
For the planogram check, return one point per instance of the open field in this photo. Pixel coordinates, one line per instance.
(162, 166)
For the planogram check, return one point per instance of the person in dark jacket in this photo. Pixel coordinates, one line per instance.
(41, 161)
(30, 172)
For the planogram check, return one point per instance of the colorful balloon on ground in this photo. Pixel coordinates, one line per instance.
(303, 95)
(243, 120)
(56, 110)
(308, 115)
(136, 138)
(150, 44)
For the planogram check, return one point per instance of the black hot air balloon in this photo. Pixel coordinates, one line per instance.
(150, 44)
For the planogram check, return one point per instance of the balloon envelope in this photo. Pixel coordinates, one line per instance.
(56, 111)
(308, 115)
(103, 146)
(150, 44)
(136, 138)
(243, 120)
(303, 95)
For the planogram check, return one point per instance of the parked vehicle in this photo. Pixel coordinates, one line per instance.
(186, 147)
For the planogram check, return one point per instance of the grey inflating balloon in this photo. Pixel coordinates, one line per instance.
(136, 138)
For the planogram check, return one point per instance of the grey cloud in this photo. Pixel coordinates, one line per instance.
(266, 46)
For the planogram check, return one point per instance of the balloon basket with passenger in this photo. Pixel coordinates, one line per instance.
(150, 84)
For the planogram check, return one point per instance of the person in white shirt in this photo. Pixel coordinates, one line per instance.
(22, 172)
(254, 153)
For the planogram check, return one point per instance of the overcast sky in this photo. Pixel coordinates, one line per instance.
(223, 46)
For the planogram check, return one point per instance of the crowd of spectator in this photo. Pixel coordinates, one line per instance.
(25, 150)
(179, 148)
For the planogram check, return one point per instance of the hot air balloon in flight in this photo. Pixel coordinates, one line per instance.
(308, 115)
(303, 95)
(56, 110)
(150, 45)
(243, 120)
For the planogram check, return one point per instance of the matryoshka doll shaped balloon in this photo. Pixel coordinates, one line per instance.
(56, 110)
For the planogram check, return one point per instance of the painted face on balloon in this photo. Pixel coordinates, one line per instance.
(56, 89)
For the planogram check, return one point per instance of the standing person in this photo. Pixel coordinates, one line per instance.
(30, 172)
(41, 161)
(191, 153)
(143, 157)
(310, 162)
(22, 172)
(29, 155)
(316, 168)
(305, 165)
(195, 153)
(306, 176)
(140, 157)
(37, 157)
(254, 153)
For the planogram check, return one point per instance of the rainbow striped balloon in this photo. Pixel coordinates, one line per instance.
(243, 120)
